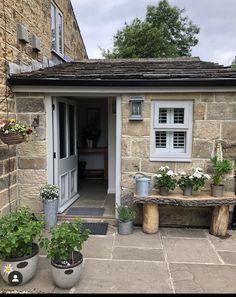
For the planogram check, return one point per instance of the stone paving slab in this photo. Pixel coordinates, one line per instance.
(140, 254)
(139, 239)
(106, 276)
(201, 278)
(183, 232)
(190, 250)
(228, 257)
(224, 244)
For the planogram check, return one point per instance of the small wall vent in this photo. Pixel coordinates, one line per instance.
(22, 33)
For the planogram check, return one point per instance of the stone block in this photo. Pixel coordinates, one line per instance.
(202, 149)
(199, 110)
(126, 146)
(207, 97)
(140, 147)
(136, 128)
(221, 111)
(4, 196)
(206, 130)
(32, 149)
(128, 181)
(34, 203)
(7, 152)
(29, 105)
(9, 165)
(130, 165)
(225, 97)
(153, 166)
(229, 131)
(6, 181)
(31, 176)
(32, 163)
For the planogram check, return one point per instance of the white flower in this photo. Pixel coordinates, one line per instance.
(219, 152)
(158, 175)
(170, 172)
(183, 173)
(190, 177)
(162, 168)
(197, 174)
(207, 176)
(198, 169)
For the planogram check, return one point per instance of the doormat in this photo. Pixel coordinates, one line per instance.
(96, 228)
(85, 211)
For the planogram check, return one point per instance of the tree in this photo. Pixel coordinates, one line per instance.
(163, 33)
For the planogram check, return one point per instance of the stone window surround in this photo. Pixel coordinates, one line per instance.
(58, 13)
(163, 155)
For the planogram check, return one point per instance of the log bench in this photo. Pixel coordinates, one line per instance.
(220, 213)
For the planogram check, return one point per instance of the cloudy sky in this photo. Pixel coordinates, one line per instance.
(99, 21)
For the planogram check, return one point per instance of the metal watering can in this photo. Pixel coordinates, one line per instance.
(143, 184)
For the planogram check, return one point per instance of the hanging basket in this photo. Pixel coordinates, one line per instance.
(11, 138)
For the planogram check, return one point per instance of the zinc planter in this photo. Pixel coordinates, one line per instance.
(164, 191)
(217, 191)
(66, 277)
(125, 228)
(188, 191)
(50, 208)
(19, 271)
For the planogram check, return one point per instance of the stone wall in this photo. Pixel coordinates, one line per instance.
(16, 56)
(214, 120)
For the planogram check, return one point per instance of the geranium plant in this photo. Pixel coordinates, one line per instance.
(196, 180)
(49, 191)
(11, 126)
(165, 178)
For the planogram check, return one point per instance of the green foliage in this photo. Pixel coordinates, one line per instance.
(126, 212)
(165, 178)
(18, 231)
(219, 169)
(49, 191)
(66, 238)
(164, 33)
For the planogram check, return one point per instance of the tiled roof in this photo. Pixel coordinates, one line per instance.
(169, 69)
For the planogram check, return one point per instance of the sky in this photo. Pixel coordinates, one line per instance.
(99, 21)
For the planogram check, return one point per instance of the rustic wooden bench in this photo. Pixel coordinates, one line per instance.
(220, 214)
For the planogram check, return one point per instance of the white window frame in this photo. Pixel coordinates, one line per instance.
(57, 15)
(161, 154)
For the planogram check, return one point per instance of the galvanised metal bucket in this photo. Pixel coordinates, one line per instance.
(50, 208)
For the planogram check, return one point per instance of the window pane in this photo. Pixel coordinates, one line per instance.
(179, 140)
(53, 26)
(60, 24)
(160, 139)
(162, 116)
(72, 129)
(179, 116)
(62, 129)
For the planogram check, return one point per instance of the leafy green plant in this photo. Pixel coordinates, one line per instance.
(49, 191)
(165, 178)
(196, 180)
(219, 169)
(18, 231)
(66, 238)
(126, 212)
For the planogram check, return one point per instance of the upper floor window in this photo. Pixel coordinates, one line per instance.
(57, 29)
(171, 131)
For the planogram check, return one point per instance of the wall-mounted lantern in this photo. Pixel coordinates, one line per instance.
(136, 108)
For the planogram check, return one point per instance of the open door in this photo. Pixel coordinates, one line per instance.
(65, 151)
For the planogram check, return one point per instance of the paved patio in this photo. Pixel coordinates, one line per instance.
(175, 260)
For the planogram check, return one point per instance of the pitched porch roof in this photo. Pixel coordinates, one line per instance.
(130, 72)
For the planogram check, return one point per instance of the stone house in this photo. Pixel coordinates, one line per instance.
(187, 107)
(33, 35)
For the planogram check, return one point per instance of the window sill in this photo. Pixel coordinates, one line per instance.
(166, 159)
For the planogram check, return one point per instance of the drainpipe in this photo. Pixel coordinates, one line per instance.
(233, 222)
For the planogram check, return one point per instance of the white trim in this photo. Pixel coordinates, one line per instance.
(118, 151)
(111, 191)
(49, 138)
(76, 90)
(57, 13)
(68, 203)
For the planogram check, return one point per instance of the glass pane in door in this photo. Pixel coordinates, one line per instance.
(62, 128)
(72, 129)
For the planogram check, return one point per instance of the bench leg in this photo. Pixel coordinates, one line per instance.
(150, 218)
(220, 220)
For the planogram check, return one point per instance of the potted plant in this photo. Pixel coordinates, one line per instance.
(63, 248)
(220, 167)
(165, 180)
(192, 182)
(19, 231)
(126, 216)
(50, 197)
(12, 132)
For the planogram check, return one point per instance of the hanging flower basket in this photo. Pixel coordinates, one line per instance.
(11, 138)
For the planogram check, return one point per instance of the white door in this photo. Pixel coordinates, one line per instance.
(65, 151)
